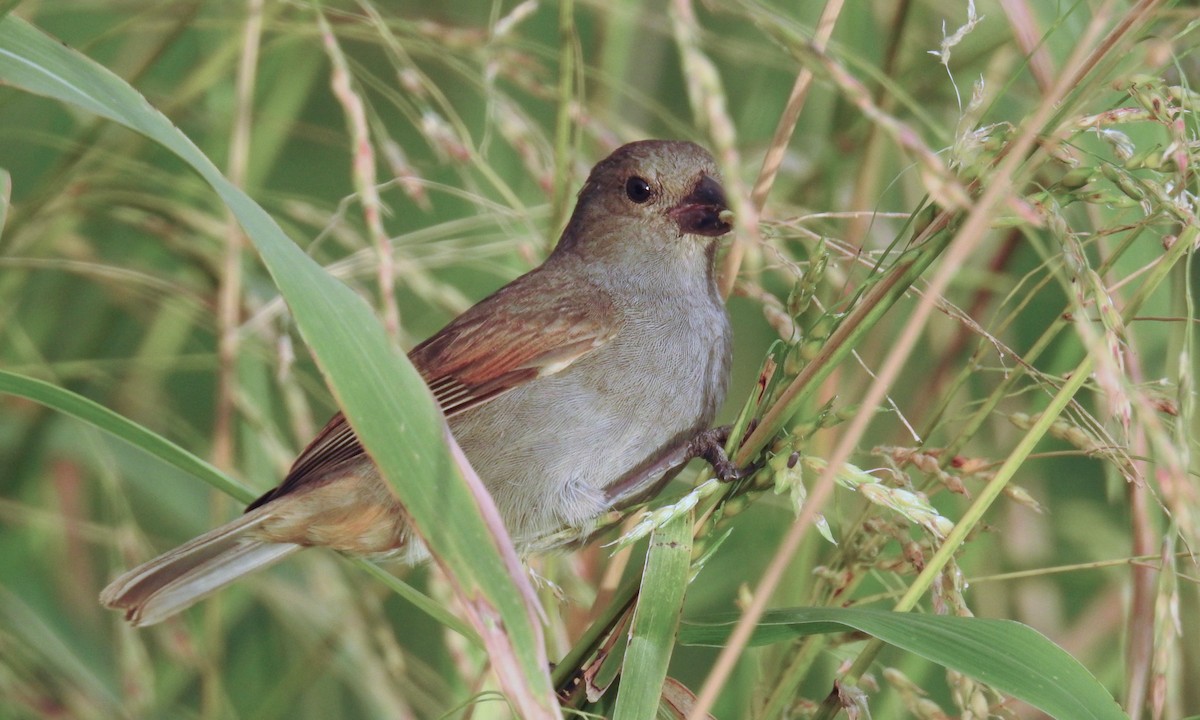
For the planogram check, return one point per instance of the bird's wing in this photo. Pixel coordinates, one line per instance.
(536, 326)
(527, 330)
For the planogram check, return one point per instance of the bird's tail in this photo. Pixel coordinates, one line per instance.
(174, 581)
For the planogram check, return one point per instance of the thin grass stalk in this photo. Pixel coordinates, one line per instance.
(564, 140)
(229, 295)
(438, 106)
(783, 692)
(1024, 361)
(868, 311)
(809, 647)
(5, 199)
(786, 127)
(1140, 620)
(1182, 506)
(1029, 38)
(362, 153)
(971, 426)
(867, 182)
(229, 319)
(1153, 560)
(706, 95)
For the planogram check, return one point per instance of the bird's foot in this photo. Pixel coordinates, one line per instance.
(710, 445)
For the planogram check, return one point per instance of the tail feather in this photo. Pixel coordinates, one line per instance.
(175, 580)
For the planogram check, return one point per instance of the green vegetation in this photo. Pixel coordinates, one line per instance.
(962, 287)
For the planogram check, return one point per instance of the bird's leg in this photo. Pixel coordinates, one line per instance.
(648, 477)
(710, 445)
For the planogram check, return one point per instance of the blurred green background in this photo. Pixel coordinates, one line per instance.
(113, 255)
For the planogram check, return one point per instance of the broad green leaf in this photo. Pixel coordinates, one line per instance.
(380, 392)
(1011, 657)
(655, 620)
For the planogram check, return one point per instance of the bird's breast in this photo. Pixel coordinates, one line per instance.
(548, 449)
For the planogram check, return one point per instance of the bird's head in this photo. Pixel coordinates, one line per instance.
(650, 199)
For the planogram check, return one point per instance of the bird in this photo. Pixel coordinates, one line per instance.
(580, 387)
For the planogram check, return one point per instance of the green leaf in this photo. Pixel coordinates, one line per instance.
(655, 620)
(98, 416)
(379, 391)
(1011, 657)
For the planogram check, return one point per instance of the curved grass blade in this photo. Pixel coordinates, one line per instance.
(1011, 657)
(100, 417)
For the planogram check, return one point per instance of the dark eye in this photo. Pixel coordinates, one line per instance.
(638, 190)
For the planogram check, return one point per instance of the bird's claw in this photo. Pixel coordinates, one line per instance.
(710, 445)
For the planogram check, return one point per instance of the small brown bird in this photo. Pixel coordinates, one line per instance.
(581, 386)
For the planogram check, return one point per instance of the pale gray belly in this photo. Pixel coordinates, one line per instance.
(547, 450)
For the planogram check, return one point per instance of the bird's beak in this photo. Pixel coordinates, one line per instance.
(704, 211)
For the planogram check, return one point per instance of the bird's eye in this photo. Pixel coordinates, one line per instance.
(638, 190)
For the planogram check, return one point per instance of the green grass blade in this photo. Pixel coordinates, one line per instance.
(380, 392)
(656, 620)
(421, 601)
(100, 417)
(1011, 657)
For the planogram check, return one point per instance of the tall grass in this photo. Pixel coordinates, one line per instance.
(961, 288)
